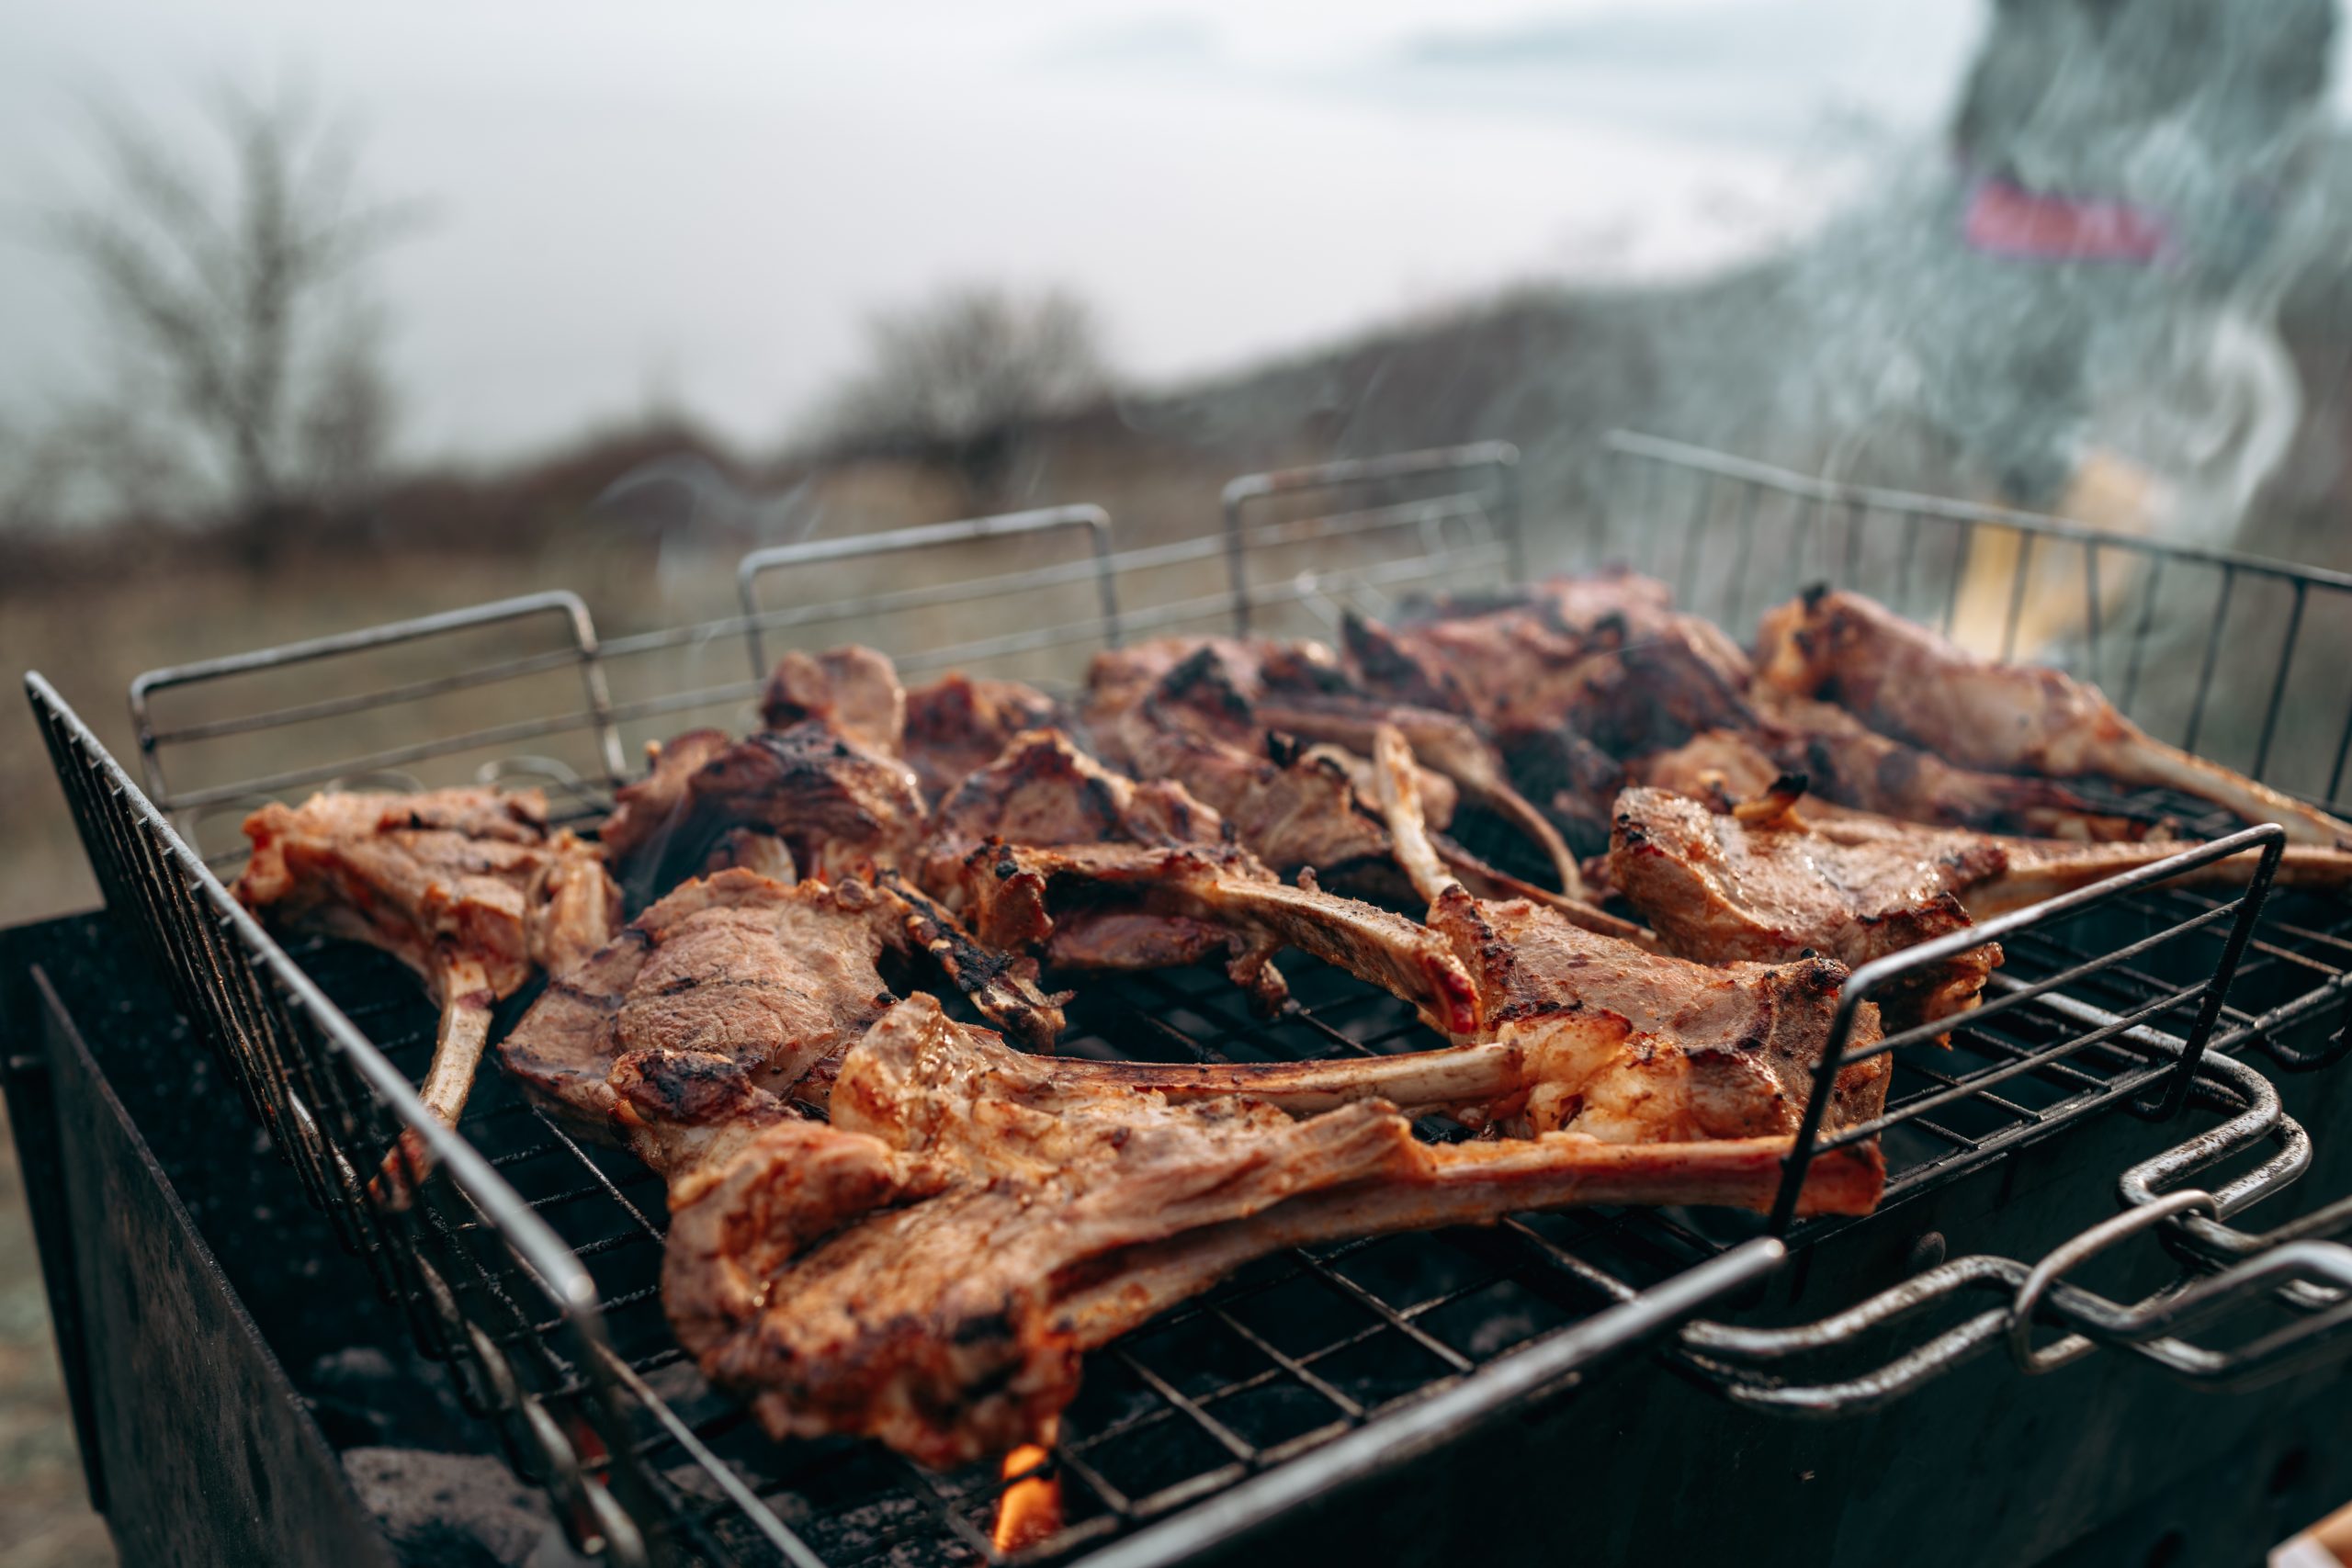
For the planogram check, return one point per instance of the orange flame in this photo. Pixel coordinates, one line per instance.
(1031, 1509)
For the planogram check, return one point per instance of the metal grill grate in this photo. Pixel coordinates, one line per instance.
(535, 1271)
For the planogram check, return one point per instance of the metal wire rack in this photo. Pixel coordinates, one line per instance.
(535, 1268)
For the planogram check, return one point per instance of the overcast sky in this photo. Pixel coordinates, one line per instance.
(703, 201)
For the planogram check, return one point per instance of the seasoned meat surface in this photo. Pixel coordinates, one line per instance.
(1697, 1051)
(467, 887)
(1075, 904)
(930, 1268)
(1771, 889)
(833, 807)
(915, 1252)
(1903, 680)
(852, 690)
(729, 992)
(448, 872)
(956, 726)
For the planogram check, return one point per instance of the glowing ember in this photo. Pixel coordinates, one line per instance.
(1031, 1509)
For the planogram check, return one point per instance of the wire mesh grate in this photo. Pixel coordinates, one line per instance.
(1293, 1352)
(1293, 1356)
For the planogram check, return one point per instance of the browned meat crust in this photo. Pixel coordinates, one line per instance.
(467, 887)
(852, 690)
(1904, 681)
(1769, 888)
(956, 726)
(930, 1268)
(726, 995)
(834, 807)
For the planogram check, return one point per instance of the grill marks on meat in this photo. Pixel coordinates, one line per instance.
(1904, 681)
(467, 887)
(719, 1002)
(930, 1268)
(1770, 889)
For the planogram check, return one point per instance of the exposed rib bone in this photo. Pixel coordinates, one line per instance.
(1904, 680)
(467, 887)
(1441, 741)
(930, 1268)
(1475, 1183)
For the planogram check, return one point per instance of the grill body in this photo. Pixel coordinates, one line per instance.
(1358, 1389)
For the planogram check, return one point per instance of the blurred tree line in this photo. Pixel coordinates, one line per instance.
(248, 397)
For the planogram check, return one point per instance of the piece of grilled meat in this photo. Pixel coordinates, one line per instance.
(833, 806)
(1108, 835)
(1702, 1049)
(1239, 690)
(1623, 677)
(1509, 662)
(1764, 880)
(466, 887)
(930, 1268)
(1179, 708)
(1226, 716)
(1903, 680)
(957, 725)
(728, 993)
(852, 689)
(1759, 883)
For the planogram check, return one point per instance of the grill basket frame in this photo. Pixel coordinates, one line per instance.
(492, 1287)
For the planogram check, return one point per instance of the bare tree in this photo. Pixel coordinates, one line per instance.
(240, 290)
(962, 378)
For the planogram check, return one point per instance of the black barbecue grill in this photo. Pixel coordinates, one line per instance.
(2130, 1039)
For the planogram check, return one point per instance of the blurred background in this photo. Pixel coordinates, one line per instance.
(321, 316)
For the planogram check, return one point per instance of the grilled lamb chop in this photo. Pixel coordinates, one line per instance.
(656, 837)
(1237, 689)
(956, 726)
(1762, 881)
(466, 887)
(721, 1000)
(1620, 675)
(854, 690)
(1132, 906)
(1701, 1043)
(1219, 715)
(1759, 883)
(1510, 663)
(836, 807)
(1854, 765)
(1295, 808)
(930, 1268)
(1043, 792)
(1209, 689)
(1904, 681)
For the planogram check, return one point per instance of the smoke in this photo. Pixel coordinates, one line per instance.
(2079, 280)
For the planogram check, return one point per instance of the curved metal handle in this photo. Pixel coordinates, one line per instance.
(2292, 1264)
